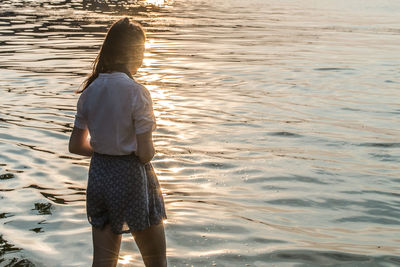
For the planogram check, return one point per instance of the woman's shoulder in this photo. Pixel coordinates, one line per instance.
(139, 88)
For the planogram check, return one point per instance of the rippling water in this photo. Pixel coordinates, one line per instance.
(278, 130)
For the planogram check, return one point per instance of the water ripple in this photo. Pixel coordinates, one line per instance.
(277, 139)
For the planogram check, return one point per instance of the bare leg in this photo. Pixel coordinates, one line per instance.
(106, 246)
(151, 243)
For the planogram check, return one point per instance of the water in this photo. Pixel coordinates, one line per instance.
(278, 130)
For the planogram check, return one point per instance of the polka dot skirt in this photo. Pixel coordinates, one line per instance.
(123, 192)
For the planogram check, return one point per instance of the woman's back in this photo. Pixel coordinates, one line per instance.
(115, 108)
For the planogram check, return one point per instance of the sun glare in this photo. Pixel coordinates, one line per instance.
(125, 259)
(175, 170)
(148, 44)
(155, 2)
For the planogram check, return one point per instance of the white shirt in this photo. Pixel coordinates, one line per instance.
(115, 108)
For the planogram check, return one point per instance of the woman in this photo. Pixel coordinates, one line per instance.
(123, 193)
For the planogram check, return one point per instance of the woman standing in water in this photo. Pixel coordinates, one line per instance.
(123, 193)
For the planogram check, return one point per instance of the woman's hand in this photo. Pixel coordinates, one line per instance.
(79, 142)
(145, 149)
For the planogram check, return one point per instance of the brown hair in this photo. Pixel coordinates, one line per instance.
(121, 46)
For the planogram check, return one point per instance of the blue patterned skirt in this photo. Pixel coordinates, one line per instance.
(123, 192)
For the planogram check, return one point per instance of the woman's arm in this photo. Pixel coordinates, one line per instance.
(145, 148)
(79, 143)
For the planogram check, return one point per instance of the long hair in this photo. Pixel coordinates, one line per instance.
(123, 44)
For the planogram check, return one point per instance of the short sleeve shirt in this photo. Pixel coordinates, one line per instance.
(114, 108)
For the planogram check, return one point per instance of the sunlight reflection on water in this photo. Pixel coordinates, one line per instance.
(277, 139)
